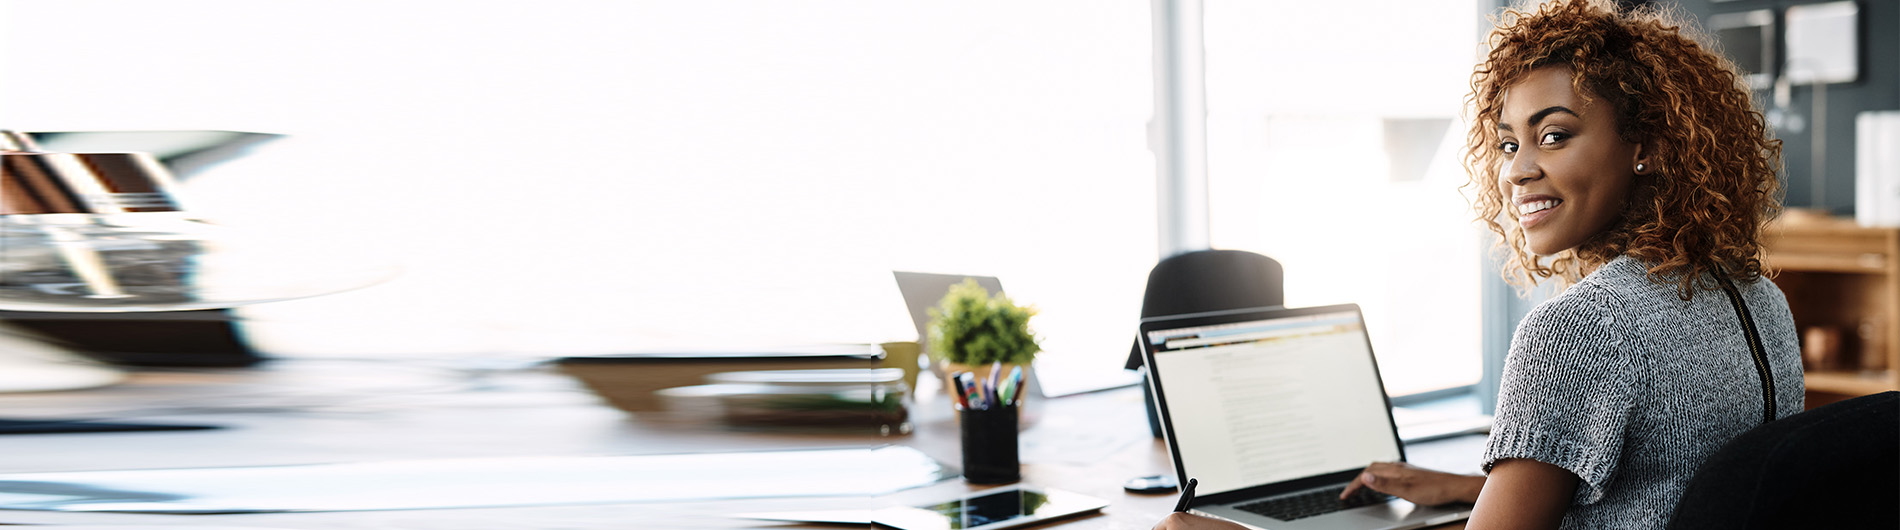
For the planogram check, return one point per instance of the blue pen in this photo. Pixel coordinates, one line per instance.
(968, 380)
(984, 398)
(976, 382)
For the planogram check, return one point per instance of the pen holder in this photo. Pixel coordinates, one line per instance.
(989, 445)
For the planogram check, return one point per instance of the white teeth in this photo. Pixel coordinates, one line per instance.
(1536, 206)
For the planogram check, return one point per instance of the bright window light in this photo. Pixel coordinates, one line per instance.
(1333, 147)
(571, 177)
(568, 177)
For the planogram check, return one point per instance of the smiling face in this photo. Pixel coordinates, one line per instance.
(1567, 175)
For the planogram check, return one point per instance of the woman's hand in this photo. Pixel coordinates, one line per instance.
(1422, 486)
(1185, 521)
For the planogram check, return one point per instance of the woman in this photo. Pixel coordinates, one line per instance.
(1617, 155)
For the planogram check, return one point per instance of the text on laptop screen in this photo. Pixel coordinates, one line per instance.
(1259, 402)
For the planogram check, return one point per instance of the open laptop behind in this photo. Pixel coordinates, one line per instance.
(1274, 411)
(923, 290)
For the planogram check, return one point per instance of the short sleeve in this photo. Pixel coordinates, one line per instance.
(1568, 391)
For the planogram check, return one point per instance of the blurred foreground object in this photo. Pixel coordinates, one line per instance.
(630, 381)
(834, 400)
(95, 235)
(102, 232)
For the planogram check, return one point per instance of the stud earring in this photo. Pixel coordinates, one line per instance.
(1640, 168)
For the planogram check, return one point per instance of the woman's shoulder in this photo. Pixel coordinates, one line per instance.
(1589, 319)
(1618, 288)
(1622, 275)
(1581, 330)
(1598, 299)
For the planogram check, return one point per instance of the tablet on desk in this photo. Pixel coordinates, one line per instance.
(994, 509)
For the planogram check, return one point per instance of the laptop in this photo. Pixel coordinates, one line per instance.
(1274, 411)
(923, 290)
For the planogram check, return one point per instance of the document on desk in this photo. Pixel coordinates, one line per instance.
(476, 482)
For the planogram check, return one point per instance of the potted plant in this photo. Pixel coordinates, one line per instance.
(971, 331)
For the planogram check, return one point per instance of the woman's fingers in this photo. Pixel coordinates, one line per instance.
(1368, 478)
(1353, 487)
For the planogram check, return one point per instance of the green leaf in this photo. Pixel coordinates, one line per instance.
(970, 327)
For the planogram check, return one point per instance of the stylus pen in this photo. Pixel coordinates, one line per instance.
(1187, 496)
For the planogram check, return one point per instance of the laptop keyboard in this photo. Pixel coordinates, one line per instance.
(1320, 502)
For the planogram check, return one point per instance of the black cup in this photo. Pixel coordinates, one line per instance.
(989, 446)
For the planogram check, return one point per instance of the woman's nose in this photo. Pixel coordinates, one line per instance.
(1521, 168)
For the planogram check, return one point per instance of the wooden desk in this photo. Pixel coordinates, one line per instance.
(336, 411)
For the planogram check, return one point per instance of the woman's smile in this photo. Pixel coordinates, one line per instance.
(1532, 209)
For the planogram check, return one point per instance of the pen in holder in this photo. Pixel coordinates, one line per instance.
(989, 445)
(987, 416)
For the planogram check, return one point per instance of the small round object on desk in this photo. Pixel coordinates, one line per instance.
(1151, 484)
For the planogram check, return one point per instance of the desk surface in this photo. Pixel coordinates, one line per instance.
(300, 412)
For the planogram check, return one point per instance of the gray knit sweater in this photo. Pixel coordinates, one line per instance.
(1621, 382)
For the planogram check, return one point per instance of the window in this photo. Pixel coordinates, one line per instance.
(1333, 139)
(565, 177)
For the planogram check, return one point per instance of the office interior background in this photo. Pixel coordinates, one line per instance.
(568, 177)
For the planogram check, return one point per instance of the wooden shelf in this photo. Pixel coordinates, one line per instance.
(1862, 264)
(1846, 278)
(1850, 383)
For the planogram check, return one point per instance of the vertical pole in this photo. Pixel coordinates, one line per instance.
(1501, 308)
(1178, 132)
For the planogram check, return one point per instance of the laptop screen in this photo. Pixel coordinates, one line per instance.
(1272, 399)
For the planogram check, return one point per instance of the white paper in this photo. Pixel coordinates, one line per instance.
(481, 482)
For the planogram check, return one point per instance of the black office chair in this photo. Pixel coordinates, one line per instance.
(1836, 466)
(1201, 281)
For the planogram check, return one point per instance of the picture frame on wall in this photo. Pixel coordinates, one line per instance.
(1748, 39)
(1823, 43)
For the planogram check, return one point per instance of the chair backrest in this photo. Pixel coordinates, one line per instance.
(1200, 281)
(1209, 280)
(1212, 280)
(1836, 466)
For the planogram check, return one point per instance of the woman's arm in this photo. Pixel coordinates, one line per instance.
(1523, 493)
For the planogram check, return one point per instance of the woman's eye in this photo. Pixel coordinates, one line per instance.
(1508, 147)
(1553, 137)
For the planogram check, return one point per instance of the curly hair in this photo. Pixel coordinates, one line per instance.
(1714, 182)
